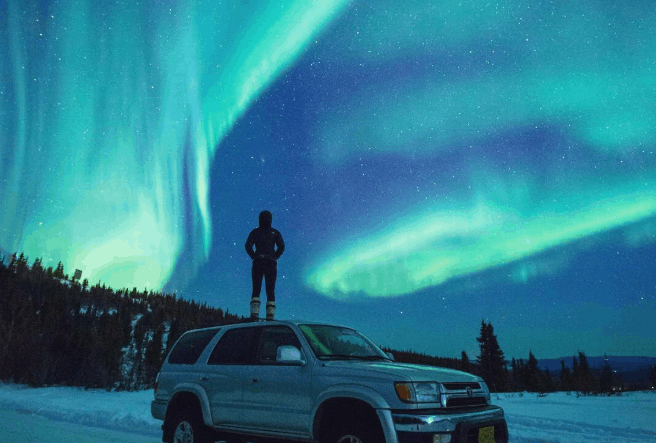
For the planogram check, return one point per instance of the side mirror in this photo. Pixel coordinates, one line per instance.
(390, 355)
(290, 355)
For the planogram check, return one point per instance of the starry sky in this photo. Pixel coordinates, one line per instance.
(429, 164)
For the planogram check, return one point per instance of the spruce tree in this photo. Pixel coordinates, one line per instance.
(491, 361)
(565, 377)
(153, 356)
(586, 381)
(465, 364)
(59, 272)
(532, 374)
(516, 369)
(22, 267)
(576, 374)
(13, 263)
(548, 382)
(606, 378)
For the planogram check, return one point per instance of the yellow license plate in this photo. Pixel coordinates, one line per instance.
(486, 434)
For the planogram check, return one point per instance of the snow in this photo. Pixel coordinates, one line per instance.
(23, 427)
(565, 418)
(120, 411)
(63, 414)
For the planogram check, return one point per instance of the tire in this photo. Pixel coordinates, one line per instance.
(356, 432)
(188, 427)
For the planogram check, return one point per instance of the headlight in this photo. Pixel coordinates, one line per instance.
(423, 392)
(487, 391)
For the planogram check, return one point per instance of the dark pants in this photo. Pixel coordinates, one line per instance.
(267, 269)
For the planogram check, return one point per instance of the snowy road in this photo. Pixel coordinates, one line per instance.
(535, 430)
(27, 427)
(71, 415)
(562, 418)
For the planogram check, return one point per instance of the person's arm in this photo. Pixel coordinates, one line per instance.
(250, 241)
(280, 243)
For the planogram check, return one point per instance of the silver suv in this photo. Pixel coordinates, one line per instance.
(313, 382)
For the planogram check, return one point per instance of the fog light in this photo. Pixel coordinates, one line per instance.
(441, 438)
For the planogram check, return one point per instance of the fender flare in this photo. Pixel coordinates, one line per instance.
(200, 394)
(355, 391)
(349, 391)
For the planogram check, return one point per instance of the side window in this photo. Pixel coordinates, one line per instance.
(188, 349)
(234, 348)
(271, 338)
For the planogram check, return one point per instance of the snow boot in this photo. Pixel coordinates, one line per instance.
(270, 310)
(255, 308)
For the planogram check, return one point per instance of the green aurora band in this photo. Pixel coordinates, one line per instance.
(436, 247)
(587, 67)
(111, 113)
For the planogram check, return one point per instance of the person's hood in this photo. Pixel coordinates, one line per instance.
(265, 219)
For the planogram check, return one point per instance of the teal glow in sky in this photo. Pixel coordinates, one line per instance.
(428, 163)
(436, 247)
(110, 118)
(498, 68)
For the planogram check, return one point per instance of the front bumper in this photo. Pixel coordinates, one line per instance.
(462, 427)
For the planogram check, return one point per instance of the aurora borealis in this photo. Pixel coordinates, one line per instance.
(428, 163)
(117, 110)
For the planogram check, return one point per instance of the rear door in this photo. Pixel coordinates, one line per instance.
(277, 395)
(226, 374)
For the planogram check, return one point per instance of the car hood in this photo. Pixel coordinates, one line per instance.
(401, 371)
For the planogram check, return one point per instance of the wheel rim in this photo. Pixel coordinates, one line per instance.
(349, 439)
(184, 433)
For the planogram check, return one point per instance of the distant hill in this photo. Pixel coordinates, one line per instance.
(630, 369)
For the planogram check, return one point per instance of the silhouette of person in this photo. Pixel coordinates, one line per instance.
(269, 246)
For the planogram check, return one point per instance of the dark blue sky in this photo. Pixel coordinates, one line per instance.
(430, 164)
(593, 293)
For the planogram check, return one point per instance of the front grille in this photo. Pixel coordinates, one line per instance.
(461, 386)
(463, 402)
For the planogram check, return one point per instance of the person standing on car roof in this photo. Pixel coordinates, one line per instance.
(269, 246)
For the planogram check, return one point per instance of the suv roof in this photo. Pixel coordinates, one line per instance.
(284, 322)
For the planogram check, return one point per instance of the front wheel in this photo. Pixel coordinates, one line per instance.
(356, 433)
(349, 438)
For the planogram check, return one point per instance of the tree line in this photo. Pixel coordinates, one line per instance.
(56, 330)
(519, 375)
(525, 375)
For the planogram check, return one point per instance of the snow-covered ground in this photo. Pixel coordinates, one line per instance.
(58, 415)
(71, 415)
(563, 418)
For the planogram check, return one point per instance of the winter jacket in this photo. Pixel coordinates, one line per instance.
(265, 239)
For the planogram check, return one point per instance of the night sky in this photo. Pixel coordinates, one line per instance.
(429, 164)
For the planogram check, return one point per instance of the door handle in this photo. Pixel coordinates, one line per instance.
(204, 378)
(255, 380)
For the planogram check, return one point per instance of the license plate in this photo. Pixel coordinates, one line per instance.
(486, 434)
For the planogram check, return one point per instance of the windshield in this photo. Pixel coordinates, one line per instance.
(338, 342)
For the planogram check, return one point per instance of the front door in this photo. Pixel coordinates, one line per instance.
(277, 395)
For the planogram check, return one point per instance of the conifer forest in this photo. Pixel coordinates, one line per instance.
(57, 330)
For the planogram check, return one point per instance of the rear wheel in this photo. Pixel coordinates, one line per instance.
(188, 427)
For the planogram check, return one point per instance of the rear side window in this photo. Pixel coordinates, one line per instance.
(190, 346)
(234, 348)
